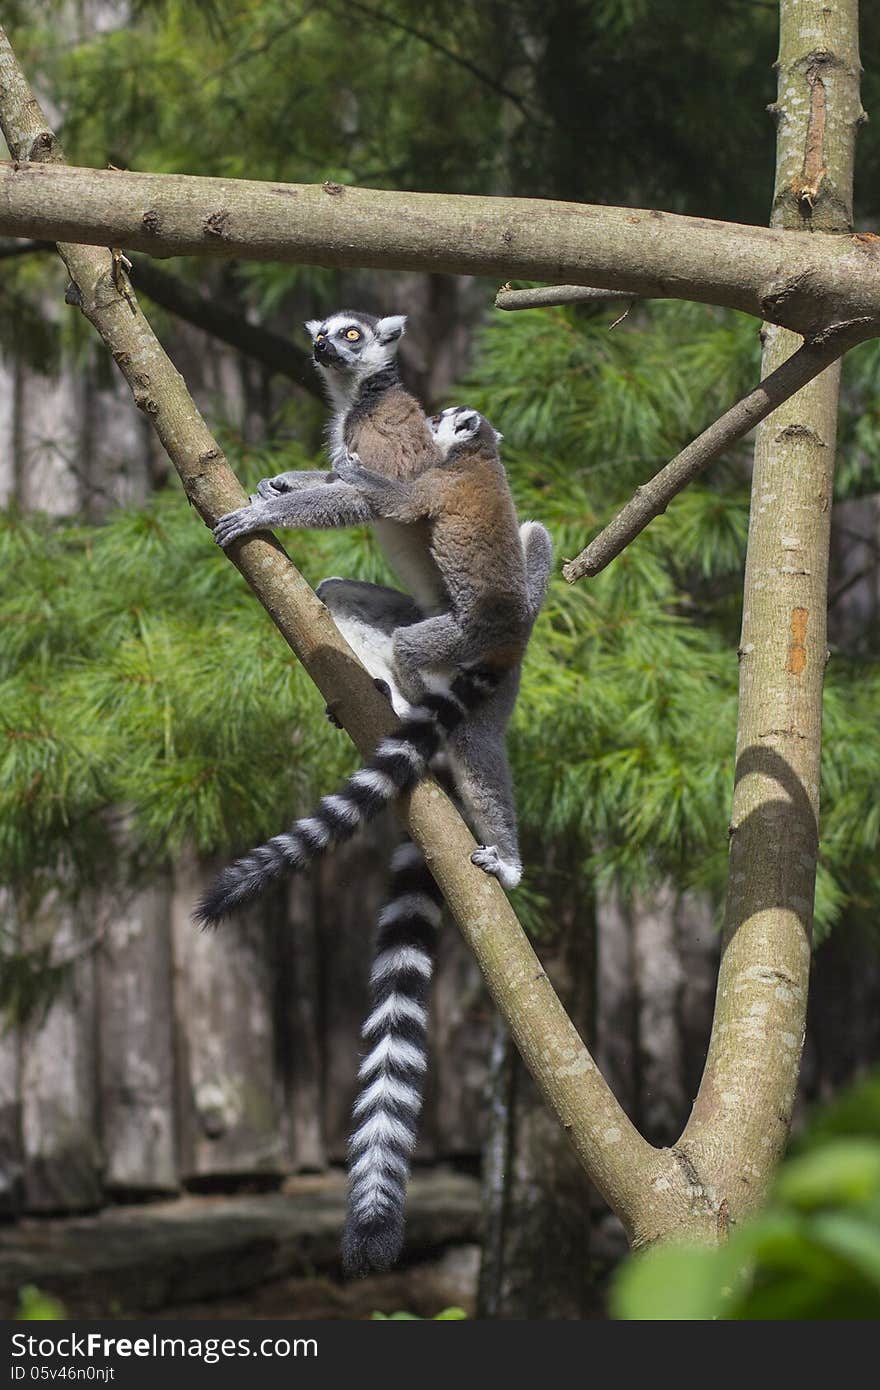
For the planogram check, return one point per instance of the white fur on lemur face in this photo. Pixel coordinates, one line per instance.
(457, 425)
(355, 345)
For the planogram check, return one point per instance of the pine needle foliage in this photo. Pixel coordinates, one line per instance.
(635, 671)
(140, 680)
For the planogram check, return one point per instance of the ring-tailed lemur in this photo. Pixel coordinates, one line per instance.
(356, 355)
(478, 640)
(387, 1110)
(387, 427)
(375, 417)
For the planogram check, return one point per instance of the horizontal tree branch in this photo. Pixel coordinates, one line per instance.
(802, 280)
(653, 497)
(645, 1186)
(547, 296)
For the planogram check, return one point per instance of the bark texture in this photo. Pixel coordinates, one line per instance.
(803, 281)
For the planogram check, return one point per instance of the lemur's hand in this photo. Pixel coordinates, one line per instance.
(242, 522)
(295, 480)
(350, 470)
(349, 467)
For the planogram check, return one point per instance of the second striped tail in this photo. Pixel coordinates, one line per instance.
(392, 1072)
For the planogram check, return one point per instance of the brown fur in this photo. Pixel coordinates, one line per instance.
(467, 506)
(392, 437)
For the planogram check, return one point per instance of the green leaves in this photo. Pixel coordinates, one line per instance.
(138, 673)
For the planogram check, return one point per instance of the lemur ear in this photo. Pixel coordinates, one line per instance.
(390, 329)
(312, 327)
(498, 436)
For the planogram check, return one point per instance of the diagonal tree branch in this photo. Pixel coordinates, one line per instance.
(801, 280)
(646, 1187)
(654, 497)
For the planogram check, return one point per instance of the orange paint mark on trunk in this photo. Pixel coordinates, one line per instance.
(797, 648)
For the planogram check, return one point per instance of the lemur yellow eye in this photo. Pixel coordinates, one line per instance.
(352, 335)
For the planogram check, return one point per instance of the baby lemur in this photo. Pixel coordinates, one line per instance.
(355, 355)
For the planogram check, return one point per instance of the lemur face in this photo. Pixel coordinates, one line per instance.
(459, 425)
(355, 343)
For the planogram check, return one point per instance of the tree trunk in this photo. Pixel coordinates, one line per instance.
(748, 1088)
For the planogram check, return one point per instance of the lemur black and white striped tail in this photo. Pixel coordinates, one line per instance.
(392, 1073)
(399, 762)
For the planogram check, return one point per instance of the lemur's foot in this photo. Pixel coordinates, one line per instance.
(507, 871)
(383, 688)
(330, 713)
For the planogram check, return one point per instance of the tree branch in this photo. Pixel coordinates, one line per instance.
(547, 296)
(654, 497)
(803, 281)
(646, 1187)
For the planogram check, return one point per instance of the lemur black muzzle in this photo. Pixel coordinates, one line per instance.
(326, 354)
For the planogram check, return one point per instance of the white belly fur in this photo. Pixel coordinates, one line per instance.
(373, 647)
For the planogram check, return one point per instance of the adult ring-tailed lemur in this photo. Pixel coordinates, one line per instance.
(450, 656)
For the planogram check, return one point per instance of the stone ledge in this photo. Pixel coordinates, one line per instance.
(139, 1259)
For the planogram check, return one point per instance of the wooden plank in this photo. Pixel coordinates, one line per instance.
(615, 1000)
(659, 979)
(699, 946)
(461, 1026)
(59, 1074)
(11, 1151)
(297, 976)
(231, 1111)
(136, 1047)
